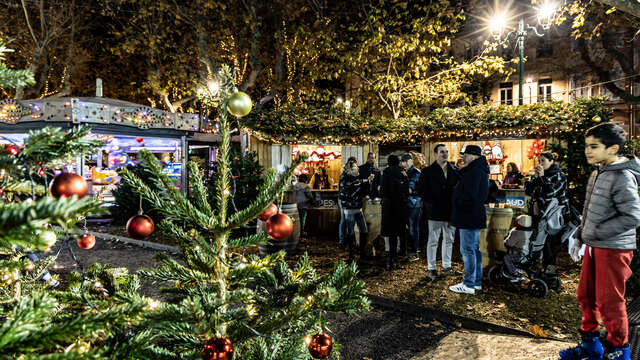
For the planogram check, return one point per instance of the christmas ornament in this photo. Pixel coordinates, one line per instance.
(596, 119)
(279, 227)
(86, 241)
(140, 226)
(48, 237)
(13, 150)
(67, 185)
(218, 348)
(320, 345)
(239, 104)
(139, 139)
(271, 210)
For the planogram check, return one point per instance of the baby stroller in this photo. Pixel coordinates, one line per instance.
(524, 246)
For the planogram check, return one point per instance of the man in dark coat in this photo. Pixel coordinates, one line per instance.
(395, 191)
(470, 216)
(366, 170)
(436, 184)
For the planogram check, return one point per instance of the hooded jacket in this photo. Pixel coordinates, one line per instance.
(351, 190)
(302, 195)
(611, 211)
(470, 195)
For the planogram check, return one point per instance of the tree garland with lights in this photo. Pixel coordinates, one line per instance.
(337, 124)
(226, 303)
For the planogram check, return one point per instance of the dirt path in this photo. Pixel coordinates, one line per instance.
(463, 344)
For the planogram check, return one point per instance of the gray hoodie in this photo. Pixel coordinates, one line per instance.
(612, 206)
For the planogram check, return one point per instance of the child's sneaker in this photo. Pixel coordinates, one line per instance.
(589, 349)
(619, 353)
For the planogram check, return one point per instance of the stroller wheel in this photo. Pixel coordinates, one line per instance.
(494, 274)
(553, 283)
(538, 288)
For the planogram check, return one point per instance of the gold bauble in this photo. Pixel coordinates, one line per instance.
(596, 118)
(239, 104)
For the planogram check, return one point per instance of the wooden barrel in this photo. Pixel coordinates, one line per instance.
(372, 211)
(289, 244)
(492, 238)
(323, 220)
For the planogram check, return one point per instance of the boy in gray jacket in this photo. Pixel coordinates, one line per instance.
(608, 228)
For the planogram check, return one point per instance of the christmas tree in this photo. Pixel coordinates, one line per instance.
(90, 314)
(223, 301)
(10, 78)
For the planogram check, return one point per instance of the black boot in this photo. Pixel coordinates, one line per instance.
(363, 246)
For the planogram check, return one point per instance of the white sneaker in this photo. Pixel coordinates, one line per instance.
(478, 287)
(462, 289)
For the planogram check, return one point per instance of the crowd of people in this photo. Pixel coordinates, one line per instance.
(420, 208)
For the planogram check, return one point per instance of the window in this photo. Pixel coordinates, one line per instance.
(544, 48)
(544, 90)
(506, 93)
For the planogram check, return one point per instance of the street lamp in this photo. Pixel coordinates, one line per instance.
(497, 25)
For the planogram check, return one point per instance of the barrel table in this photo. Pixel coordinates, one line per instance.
(372, 211)
(499, 222)
(289, 244)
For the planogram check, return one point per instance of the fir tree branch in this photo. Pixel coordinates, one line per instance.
(198, 190)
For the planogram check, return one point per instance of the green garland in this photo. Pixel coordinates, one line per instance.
(338, 125)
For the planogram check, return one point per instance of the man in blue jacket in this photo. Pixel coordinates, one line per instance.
(470, 216)
(414, 204)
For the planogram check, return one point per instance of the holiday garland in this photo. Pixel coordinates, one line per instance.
(337, 124)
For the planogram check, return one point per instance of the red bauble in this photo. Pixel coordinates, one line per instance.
(218, 348)
(67, 185)
(320, 346)
(271, 210)
(139, 139)
(279, 226)
(13, 150)
(86, 241)
(140, 226)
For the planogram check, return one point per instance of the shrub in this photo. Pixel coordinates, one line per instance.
(127, 201)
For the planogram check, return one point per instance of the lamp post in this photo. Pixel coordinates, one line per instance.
(545, 14)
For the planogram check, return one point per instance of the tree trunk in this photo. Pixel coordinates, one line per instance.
(254, 54)
(604, 75)
(629, 6)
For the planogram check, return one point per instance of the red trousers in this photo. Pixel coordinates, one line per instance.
(601, 292)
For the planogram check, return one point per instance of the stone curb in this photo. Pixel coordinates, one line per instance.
(455, 320)
(141, 243)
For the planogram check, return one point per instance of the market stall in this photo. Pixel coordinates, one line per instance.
(124, 128)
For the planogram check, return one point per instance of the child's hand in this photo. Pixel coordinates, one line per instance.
(574, 250)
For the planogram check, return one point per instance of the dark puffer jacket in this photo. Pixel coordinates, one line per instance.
(352, 189)
(470, 195)
(544, 188)
(415, 199)
(395, 191)
(612, 207)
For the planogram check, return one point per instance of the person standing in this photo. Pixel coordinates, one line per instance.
(303, 198)
(395, 191)
(548, 183)
(366, 170)
(414, 204)
(436, 184)
(610, 217)
(320, 179)
(470, 216)
(513, 177)
(352, 190)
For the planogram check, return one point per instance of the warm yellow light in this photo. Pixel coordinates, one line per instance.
(546, 13)
(213, 86)
(497, 25)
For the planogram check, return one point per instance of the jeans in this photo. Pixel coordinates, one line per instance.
(435, 228)
(303, 219)
(414, 228)
(341, 225)
(351, 218)
(471, 256)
